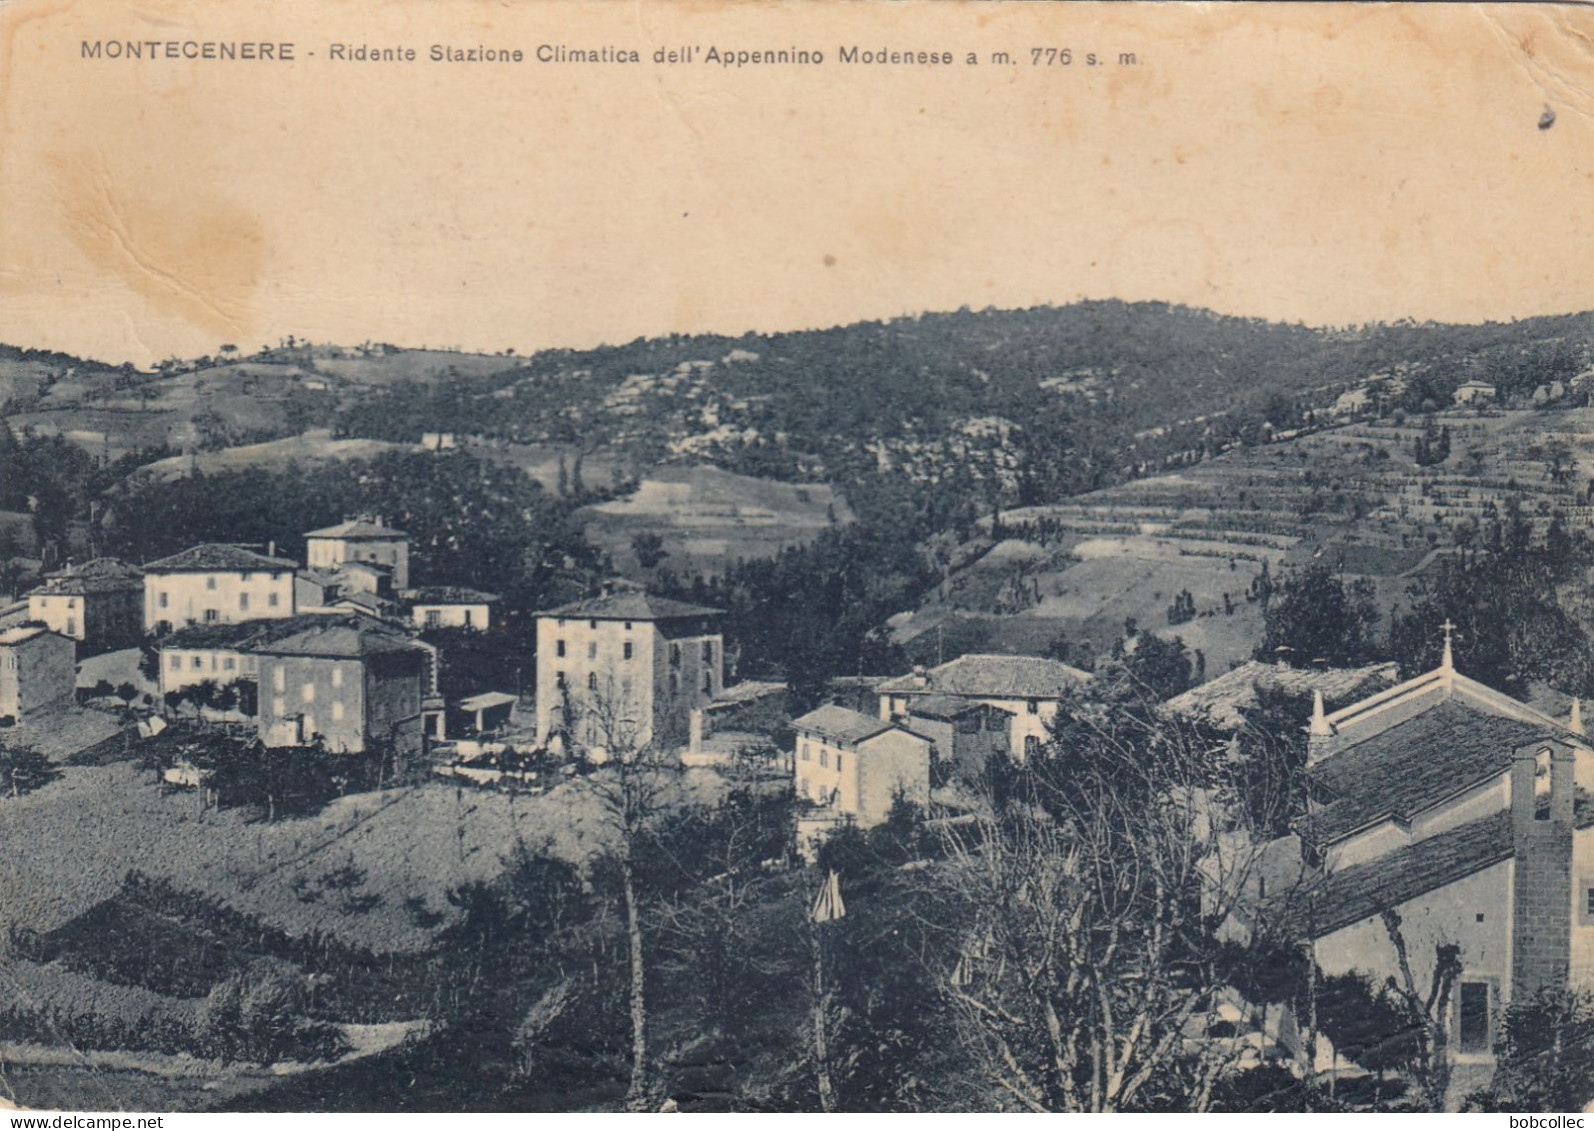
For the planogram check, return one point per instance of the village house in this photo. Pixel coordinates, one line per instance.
(215, 652)
(37, 668)
(626, 667)
(962, 732)
(1469, 815)
(348, 682)
(361, 539)
(1224, 702)
(99, 603)
(1476, 392)
(856, 765)
(449, 606)
(216, 583)
(1027, 689)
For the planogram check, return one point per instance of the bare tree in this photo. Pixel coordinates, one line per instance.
(632, 786)
(1091, 896)
(1429, 1015)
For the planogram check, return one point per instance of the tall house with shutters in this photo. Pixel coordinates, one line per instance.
(362, 539)
(626, 669)
(216, 583)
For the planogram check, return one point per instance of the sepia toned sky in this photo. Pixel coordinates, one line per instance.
(1323, 163)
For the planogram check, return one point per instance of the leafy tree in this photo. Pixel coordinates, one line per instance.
(23, 769)
(648, 546)
(1315, 616)
(1545, 1054)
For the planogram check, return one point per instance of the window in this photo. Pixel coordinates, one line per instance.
(675, 683)
(307, 692)
(592, 681)
(243, 601)
(197, 664)
(279, 679)
(337, 712)
(824, 757)
(675, 655)
(227, 664)
(592, 649)
(468, 620)
(592, 624)
(245, 576)
(559, 648)
(279, 707)
(1473, 1017)
(1032, 746)
(559, 680)
(1543, 785)
(838, 763)
(212, 616)
(71, 626)
(626, 650)
(434, 617)
(165, 598)
(708, 651)
(802, 748)
(271, 600)
(708, 683)
(177, 663)
(628, 626)
(210, 582)
(1033, 706)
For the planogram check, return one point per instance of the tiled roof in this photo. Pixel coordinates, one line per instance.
(1363, 890)
(630, 605)
(1224, 700)
(101, 575)
(22, 633)
(946, 707)
(241, 636)
(219, 557)
(992, 677)
(447, 595)
(336, 638)
(1413, 764)
(356, 529)
(840, 723)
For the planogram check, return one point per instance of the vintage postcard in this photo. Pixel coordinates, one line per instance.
(796, 557)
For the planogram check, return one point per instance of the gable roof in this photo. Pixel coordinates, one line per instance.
(101, 575)
(1416, 763)
(219, 557)
(1363, 890)
(631, 604)
(1224, 700)
(447, 595)
(948, 707)
(981, 676)
(842, 724)
(337, 638)
(22, 633)
(241, 637)
(846, 727)
(356, 529)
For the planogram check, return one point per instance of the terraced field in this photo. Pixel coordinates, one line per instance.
(1352, 496)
